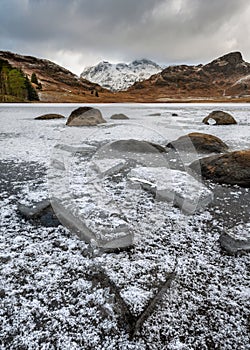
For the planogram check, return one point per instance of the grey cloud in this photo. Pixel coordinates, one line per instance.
(164, 30)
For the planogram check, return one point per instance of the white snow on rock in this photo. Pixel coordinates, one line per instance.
(175, 186)
(120, 76)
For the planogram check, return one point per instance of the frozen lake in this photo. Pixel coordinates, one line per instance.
(23, 138)
(50, 294)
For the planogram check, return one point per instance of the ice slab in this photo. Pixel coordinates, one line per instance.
(93, 216)
(175, 186)
(108, 166)
(82, 148)
(236, 239)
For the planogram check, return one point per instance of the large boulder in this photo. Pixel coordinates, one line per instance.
(49, 116)
(136, 146)
(236, 239)
(232, 168)
(85, 116)
(219, 118)
(200, 142)
(134, 151)
(118, 116)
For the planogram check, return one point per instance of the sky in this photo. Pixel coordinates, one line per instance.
(80, 33)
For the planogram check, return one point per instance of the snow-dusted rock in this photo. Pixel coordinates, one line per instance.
(120, 76)
(200, 142)
(85, 116)
(219, 118)
(49, 116)
(173, 185)
(119, 116)
(232, 168)
(236, 239)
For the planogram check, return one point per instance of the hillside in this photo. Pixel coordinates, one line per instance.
(57, 84)
(15, 85)
(224, 78)
(120, 76)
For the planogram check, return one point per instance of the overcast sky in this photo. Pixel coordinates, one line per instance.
(77, 33)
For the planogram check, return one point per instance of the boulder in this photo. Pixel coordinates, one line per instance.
(136, 146)
(85, 116)
(119, 116)
(236, 239)
(219, 118)
(232, 168)
(199, 142)
(134, 152)
(49, 116)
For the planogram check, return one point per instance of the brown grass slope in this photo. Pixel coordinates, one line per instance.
(226, 78)
(58, 83)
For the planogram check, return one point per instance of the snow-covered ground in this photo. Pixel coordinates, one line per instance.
(56, 293)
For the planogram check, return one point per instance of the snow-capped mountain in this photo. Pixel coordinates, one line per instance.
(120, 76)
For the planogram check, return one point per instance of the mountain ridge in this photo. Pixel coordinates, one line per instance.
(226, 76)
(57, 82)
(224, 79)
(120, 76)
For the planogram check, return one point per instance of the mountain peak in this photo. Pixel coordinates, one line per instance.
(120, 76)
(231, 59)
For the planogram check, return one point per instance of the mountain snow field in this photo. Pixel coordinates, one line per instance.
(120, 76)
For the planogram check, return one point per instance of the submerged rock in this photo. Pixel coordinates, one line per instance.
(135, 146)
(219, 118)
(134, 151)
(155, 114)
(85, 116)
(232, 168)
(236, 239)
(49, 116)
(196, 141)
(40, 212)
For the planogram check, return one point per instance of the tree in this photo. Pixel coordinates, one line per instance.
(31, 92)
(14, 84)
(34, 79)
